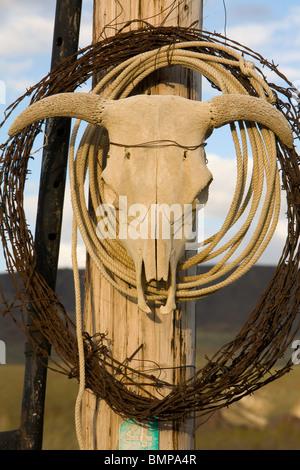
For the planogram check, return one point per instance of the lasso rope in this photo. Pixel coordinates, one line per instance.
(109, 256)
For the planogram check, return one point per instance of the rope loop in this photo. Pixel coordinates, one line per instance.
(110, 258)
(246, 67)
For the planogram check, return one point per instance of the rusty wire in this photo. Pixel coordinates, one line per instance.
(239, 367)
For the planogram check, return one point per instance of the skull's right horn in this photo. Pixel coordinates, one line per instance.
(232, 107)
(85, 106)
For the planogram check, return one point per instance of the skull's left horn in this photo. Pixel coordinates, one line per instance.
(228, 108)
(85, 106)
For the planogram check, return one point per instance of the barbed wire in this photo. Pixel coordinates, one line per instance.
(238, 368)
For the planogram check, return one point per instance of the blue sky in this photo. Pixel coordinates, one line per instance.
(271, 28)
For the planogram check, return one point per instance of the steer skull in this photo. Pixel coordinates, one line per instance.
(157, 157)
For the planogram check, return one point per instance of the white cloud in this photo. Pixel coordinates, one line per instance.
(253, 34)
(65, 256)
(222, 186)
(32, 35)
(220, 198)
(11, 67)
(253, 11)
(86, 26)
(265, 27)
(293, 16)
(86, 35)
(291, 73)
(65, 251)
(26, 28)
(26, 36)
(19, 86)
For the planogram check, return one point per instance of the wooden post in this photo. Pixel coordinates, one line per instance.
(168, 340)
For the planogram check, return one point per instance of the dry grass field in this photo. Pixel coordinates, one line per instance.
(59, 429)
(267, 420)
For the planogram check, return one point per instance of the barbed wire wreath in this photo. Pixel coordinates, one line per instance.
(239, 367)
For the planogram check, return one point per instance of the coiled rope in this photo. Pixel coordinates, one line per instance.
(108, 255)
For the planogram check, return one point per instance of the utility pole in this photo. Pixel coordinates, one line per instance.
(168, 340)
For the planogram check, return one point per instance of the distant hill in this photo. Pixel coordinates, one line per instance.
(230, 307)
(225, 310)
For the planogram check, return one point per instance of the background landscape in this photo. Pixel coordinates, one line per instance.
(267, 420)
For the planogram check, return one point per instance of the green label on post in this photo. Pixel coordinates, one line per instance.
(138, 436)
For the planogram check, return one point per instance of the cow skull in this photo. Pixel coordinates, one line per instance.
(156, 157)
